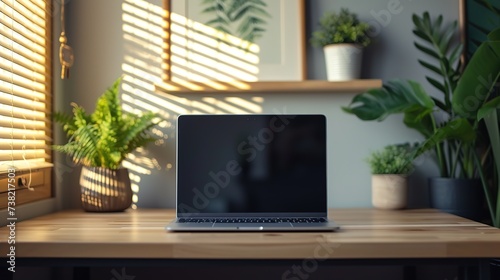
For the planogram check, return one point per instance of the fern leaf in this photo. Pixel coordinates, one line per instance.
(437, 84)
(429, 66)
(258, 2)
(234, 7)
(253, 10)
(217, 22)
(209, 10)
(221, 21)
(417, 22)
(248, 23)
(447, 35)
(422, 35)
(440, 104)
(132, 133)
(455, 54)
(427, 50)
(209, 2)
(437, 24)
(67, 122)
(81, 118)
(427, 21)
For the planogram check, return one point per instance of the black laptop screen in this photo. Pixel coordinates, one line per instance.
(251, 164)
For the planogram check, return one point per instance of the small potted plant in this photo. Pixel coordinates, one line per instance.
(100, 142)
(342, 36)
(390, 167)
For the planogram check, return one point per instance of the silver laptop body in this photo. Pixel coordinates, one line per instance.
(251, 173)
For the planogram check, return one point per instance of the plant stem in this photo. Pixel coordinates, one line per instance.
(496, 221)
(439, 151)
(488, 194)
(456, 159)
(491, 122)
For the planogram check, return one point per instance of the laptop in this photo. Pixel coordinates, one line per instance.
(251, 173)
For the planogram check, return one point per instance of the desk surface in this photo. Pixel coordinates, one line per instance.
(366, 233)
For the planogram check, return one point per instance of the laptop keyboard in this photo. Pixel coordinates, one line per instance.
(252, 220)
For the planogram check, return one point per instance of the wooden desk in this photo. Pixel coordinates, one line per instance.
(365, 234)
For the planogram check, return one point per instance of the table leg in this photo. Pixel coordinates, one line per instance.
(81, 273)
(409, 272)
(6, 274)
(484, 270)
(480, 271)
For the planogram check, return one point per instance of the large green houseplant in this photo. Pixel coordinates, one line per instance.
(455, 139)
(476, 100)
(342, 36)
(100, 142)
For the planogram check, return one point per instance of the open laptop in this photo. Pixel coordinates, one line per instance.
(251, 173)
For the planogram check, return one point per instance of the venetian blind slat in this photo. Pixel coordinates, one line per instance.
(25, 82)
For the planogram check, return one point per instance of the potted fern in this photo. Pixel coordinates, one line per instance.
(390, 167)
(342, 36)
(100, 142)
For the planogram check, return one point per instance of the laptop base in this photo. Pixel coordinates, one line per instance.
(324, 226)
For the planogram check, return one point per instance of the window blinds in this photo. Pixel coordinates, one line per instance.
(25, 84)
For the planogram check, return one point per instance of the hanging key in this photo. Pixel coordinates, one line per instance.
(65, 57)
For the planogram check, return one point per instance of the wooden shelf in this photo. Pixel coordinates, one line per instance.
(310, 86)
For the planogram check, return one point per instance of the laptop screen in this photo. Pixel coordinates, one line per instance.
(250, 165)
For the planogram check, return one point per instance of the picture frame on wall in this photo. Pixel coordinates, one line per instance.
(236, 40)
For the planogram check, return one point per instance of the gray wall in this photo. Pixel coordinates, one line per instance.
(103, 51)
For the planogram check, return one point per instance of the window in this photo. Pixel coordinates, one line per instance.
(25, 99)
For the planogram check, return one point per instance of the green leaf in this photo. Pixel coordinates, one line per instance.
(422, 35)
(431, 67)
(437, 23)
(440, 104)
(209, 10)
(478, 79)
(417, 21)
(426, 20)
(249, 23)
(436, 84)
(251, 9)
(217, 21)
(494, 35)
(488, 108)
(420, 120)
(427, 50)
(447, 36)
(489, 113)
(455, 54)
(235, 5)
(458, 129)
(393, 98)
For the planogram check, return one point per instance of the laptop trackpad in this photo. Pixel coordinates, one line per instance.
(252, 226)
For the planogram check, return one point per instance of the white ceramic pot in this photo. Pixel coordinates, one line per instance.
(389, 191)
(343, 61)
